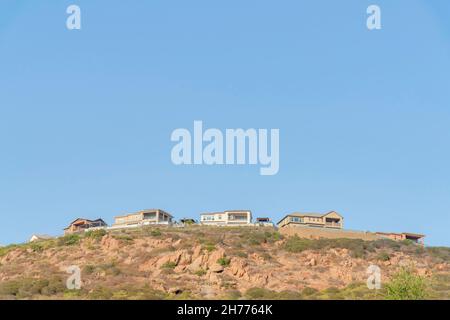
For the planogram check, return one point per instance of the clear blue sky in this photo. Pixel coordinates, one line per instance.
(364, 116)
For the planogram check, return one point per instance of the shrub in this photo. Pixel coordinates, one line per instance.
(407, 242)
(441, 253)
(27, 288)
(101, 293)
(200, 272)
(69, 240)
(307, 291)
(255, 238)
(405, 285)
(289, 295)
(88, 269)
(356, 247)
(233, 295)
(7, 249)
(260, 294)
(96, 234)
(110, 269)
(241, 254)
(126, 238)
(209, 247)
(169, 265)
(36, 247)
(296, 244)
(224, 262)
(383, 256)
(155, 233)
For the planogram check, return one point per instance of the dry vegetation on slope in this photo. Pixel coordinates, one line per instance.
(218, 263)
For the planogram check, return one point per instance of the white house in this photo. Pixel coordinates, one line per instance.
(227, 218)
(39, 237)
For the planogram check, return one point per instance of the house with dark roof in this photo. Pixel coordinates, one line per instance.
(82, 225)
(264, 222)
(331, 219)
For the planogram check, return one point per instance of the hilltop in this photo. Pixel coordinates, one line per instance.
(214, 263)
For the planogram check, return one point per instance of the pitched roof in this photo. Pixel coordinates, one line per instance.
(42, 236)
(87, 220)
(308, 214)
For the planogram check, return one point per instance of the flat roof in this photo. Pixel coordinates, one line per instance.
(142, 212)
(403, 233)
(308, 214)
(226, 211)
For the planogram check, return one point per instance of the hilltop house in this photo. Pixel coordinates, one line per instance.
(81, 225)
(39, 237)
(331, 219)
(142, 218)
(264, 222)
(417, 238)
(229, 218)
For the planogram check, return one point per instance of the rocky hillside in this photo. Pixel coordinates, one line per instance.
(214, 263)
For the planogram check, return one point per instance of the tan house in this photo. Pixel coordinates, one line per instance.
(227, 218)
(81, 225)
(143, 218)
(417, 238)
(264, 222)
(331, 219)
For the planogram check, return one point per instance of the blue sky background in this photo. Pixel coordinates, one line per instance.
(86, 116)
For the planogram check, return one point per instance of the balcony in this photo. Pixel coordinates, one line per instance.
(237, 218)
(333, 224)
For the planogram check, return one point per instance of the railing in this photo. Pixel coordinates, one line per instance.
(333, 224)
(237, 218)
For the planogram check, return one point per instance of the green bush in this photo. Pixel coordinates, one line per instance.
(169, 265)
(307, 291)
(7, 249)
(383, 256)
(405, 285)
(407, 242)
(101, 293)
(224, 262)
(36, 247)
(256, 238)
(27, 288)
(200, 272)
(69, 240)
(233, 295)
(296, 244)
(96, 234)
(357, 247)
(125, 238)
(289, 295)
(260, 294)
(155, 233)
(209, 247)
(241, 254)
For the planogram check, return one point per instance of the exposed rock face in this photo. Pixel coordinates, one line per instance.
(179, 263)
